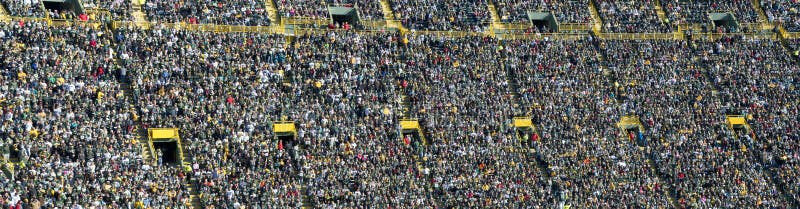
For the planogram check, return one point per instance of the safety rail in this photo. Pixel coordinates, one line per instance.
(574, 26)
(690, 26)
(758, 26)
(751, 36)
(452, 34)
(785, 33)
(317, 32)
(199, 27)
(639, 36)
(517, 26)
(372, 23)
(305, 21)
(27, 19)
(791, 35)
(72, 22)
(542, 36)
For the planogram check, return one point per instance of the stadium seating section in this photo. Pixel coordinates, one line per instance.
(77, 99)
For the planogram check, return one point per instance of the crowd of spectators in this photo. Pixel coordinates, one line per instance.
(346, 100)
(785, 11)
(66, 121)
(442, 15)
(70, 124)
(223, 110)
(471, 164)
(25, 8)
(763, 87)
(626, 16)
(119, 9)
(680, 12)
(368, 10)
(236, 12)
(569, 11)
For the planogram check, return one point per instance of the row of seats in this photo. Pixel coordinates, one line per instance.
(618, 16)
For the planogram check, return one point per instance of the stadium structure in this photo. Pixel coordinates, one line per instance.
(400, 104)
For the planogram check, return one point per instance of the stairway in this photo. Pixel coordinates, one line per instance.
(497, 24)
(598, 22)
(192, 184)
(513, 89)
(666, 187)
(4, 14)
(762, 16)
(407, 107)
(138, 14)
(392, 21)
(138, 129)
(660, 12)
(272, 11)
(307, 203)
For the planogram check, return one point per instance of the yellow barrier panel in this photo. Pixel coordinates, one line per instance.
(523, 122)
(409, 124)
(736, 120)
(284, 127)
(163, 133)
(628, 122)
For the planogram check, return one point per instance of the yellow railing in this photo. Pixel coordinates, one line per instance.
(28, 19)
(791, 35)
(715, 36)
(786, 34)
(755, 26)
(373, 23)
(320, 32)
(452, 34)
(638, 36)
(199, 27)
(305, 21)
(574, 26)
(542, 36)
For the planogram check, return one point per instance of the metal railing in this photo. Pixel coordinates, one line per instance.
(542, 36)
(199, 27)
(715, 36)
(452, 34)
(305, 21)
(639, 36)
(574, 26)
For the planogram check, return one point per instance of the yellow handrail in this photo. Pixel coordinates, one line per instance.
(199, 27)
(305, 21)
(715, 36)
(638, 36)
(318, 32)
(542, 36)
(574, 26)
